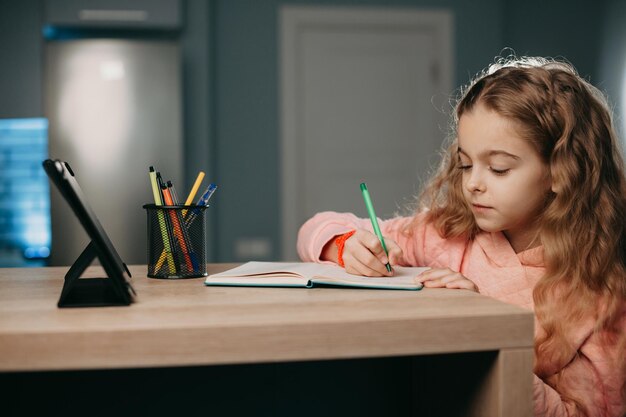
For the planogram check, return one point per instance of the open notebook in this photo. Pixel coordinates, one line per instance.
(308, 275)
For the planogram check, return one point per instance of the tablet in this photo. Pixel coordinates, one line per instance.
(116, 288)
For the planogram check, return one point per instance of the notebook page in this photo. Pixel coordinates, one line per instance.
(403, 276)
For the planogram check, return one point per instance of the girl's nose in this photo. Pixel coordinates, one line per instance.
(475, 183)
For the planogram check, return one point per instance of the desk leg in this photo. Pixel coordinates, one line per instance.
(507, 390)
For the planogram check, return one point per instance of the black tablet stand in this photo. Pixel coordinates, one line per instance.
(91, 292)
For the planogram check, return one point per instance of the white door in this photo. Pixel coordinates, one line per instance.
(364, 95)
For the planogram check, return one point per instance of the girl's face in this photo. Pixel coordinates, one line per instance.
(505, 182)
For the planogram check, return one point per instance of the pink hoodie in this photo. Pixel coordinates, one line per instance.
(492, 264)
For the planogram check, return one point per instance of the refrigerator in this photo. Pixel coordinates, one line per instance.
(114, 109)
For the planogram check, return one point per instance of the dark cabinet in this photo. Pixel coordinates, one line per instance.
(21, 50)
(114, 14)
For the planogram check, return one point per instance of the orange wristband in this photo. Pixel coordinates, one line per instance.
(340, 242)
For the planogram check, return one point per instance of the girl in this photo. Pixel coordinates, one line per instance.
(529, 207)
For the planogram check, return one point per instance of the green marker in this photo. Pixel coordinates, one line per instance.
(372, 214)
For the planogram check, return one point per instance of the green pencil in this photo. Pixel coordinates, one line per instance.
(372, 214)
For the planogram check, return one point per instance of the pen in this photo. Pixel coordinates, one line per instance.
(161, 185)
(202, 201)
(173, 193)
(206, 196)
(193, 191)
(372, 214)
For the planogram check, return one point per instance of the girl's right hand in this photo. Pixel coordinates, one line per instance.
(363, 254)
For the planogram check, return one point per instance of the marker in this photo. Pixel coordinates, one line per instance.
(372, 214)
(180, 221)
(180, 234)
(155, 188)
(167, 250)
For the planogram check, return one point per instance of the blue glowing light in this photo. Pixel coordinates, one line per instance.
(25, 231)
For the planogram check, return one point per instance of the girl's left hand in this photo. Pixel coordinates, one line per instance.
(445, 278)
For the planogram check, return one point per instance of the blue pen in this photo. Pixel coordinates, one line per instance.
(202, 201)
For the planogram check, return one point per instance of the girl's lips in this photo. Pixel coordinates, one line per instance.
(479, 208)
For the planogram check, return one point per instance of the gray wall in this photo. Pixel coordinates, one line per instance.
(198, 101)
(246, 93)
(613, 61)
(557, 28)
(247, 104)
(231, 95)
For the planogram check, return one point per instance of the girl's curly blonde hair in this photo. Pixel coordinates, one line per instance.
(583, 226)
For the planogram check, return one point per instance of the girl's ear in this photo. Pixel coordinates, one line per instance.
(555, 189)
(551, 182)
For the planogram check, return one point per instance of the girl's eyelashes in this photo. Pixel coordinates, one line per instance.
(467, 167)
(463, 166)
(499, 171)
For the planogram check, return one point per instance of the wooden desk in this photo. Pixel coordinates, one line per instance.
(178, 323)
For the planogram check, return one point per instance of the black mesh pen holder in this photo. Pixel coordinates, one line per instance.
(176, 241)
